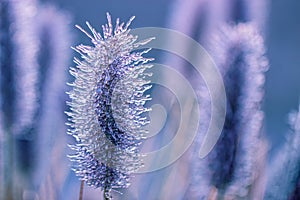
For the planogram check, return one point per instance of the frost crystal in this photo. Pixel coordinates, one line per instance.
(107, 107)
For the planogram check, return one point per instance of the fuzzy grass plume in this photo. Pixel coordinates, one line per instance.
(234, 165)
(283, 174)
(107, 107)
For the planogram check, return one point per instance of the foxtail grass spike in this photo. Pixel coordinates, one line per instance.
(52, 28)
(234, 164)
(283, 173)
(25, 63)
(18, 88)
(107, 107)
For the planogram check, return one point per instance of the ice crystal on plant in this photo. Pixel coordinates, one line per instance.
(108, 80)
(107, 106)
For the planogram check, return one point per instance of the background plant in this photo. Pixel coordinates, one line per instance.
(34, 53)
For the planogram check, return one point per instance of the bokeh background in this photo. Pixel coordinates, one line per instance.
(43, 171)
(281, 34)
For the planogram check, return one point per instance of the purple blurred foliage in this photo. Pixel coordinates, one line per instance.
(250, 64)
(197, 19)
(18, 82)
(34, 57)
(52, 27)
(25, 66)
(234, 165)
(238, 51)
(200, 18)
(255, 11)
(3, 29)
(295, 195)
(283, 172)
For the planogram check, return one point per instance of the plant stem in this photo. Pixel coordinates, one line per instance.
(81, 190)
(105, 191)
(213, 194)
